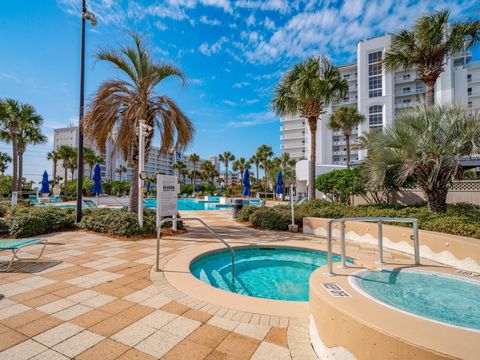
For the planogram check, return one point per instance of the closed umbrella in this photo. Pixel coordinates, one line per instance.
(97, 182)
(45, 185)
(246, 183)
(279, 184)
(148, 187)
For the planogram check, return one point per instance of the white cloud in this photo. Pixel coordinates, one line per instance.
(282, 6)
(269, 23)
(209, 50)
(250, 102)
(250, 21)
(207, 21)
(253, 119)
(196, 81)
(229, 103)
(160, 25)
(241, 84)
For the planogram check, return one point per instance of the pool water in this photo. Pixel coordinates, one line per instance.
(270, 273)
(444, 298)
(191, 204)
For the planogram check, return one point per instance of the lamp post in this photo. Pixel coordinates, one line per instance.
(86, 15)
(142, 131)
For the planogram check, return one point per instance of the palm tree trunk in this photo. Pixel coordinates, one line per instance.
(54, 172)
(133, 200)
(312, 123)
(20, 171)
(429, 96)
(14, 163)
(66, 175)
(256, 165)
(347, 140)
(226, 174)
(436, 199)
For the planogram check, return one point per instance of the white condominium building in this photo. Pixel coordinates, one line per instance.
(155, 163)
(379, 95)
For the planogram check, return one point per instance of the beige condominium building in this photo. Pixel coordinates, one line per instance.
(380, 96)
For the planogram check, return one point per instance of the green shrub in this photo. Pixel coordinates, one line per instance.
(121, 222)
(245, 212)
(4, 230)
(269, 218)
(27, 222)
(340, 184)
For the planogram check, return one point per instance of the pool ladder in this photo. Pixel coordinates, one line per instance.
(219, 238)
(379, 221)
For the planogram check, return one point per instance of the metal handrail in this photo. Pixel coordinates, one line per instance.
(159, 235)
(379, 220)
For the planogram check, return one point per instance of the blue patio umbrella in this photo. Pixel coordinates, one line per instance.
(148, 186)
(279, 183)
(97, 182)
(197, 188)
(246, 183)
(45, 185)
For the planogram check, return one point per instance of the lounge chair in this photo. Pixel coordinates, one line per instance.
(90, 204)
(16, 245)
(32, 199)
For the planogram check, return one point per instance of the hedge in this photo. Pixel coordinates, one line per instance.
(460, 219)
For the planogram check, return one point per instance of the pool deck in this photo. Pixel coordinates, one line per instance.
(96, 297)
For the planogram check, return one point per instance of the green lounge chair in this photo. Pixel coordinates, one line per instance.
(16, 244)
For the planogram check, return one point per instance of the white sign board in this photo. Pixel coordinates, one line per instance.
(167, 195)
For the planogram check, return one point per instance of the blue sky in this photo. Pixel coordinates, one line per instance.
(232, 52)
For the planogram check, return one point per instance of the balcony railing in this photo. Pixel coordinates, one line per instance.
(410, 92)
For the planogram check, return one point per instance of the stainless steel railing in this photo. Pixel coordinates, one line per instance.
(380, 221)
(159, 235)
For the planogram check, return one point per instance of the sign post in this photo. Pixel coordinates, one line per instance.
(167, 198)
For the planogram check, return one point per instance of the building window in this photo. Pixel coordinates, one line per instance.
(346, 76)
(375, 117)
(375, 74)
(406, 77)
(406, 101)
(469, 77)
(470, 104)
(469, 91)
(406, 90)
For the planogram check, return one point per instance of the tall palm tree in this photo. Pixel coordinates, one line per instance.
(194, 158)
(65, 153)
(209, 171)
(426, 47)
(344, 119)
(54, 157)
(240, 165)
(4, 160)
(30, 133)
(255, 160)
(180, 167)
(123, 102)
(306, 90)
(90, 158)
(120, 170)
(9, 127)
(264, 153)
(427, 142)
(226, 157)
(72, 165)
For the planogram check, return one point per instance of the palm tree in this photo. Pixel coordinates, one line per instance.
(264, 153)
(209, 171)
(72, 165)
(65, 153)
(123, 102)
(90, 158)
(226, 157)
(4, 160)
(120, 170)
(344, 119)
(194, 158)
(240, 165)
(307, 89)
(30, 133)
(427, 46)
(426, 142)
(54, 157)
(255, 160)
(9, 128)
(181, 168)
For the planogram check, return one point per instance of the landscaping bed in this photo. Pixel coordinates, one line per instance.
(459, 219)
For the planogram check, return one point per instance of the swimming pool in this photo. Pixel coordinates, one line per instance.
(439, 297)
(265, 272)
(191, 204)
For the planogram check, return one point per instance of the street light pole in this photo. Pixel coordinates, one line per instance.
(86, 15)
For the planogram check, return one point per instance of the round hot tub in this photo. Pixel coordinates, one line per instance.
(439, 297)
(277, 273)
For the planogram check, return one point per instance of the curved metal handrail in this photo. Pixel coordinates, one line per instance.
(159, 235)
(380, 221)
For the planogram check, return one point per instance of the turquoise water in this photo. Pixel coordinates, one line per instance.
(191, 204)
(443, 298)
(270, 273)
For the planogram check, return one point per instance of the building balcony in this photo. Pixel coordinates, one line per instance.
(290, 120)
(292, 127)
(474, 80)
(410, 92)
(292, 146)
(474, 94)
(404, 105)
(293, 137)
